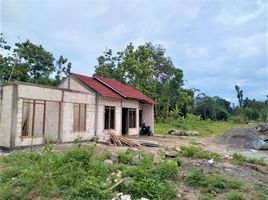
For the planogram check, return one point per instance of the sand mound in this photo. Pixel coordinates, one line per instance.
(238, 137)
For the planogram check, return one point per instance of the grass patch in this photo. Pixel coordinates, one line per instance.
(211, 183)
(198, 153)
(81, 174)
(240, 159)
(235, 196)
(205, 127)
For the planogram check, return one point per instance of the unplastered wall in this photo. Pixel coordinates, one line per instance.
(148, 115)
(6, 115)
(53, 97)
(74, 85)
(102, 102)
(132, 104)
(70, 98)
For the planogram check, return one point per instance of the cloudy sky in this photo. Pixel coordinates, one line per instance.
(217, 43)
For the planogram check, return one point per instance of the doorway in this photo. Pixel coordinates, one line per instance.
(124, 121)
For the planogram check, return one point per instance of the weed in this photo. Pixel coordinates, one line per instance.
(198, 153)
(150, 188)
(211, 183)
(235, 196)
(206, 197)
(240, 159)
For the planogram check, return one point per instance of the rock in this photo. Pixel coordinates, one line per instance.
(108, 161)
(183, 133)
(171, 154)
(211, 162)
(186, 196)
(130, 150)
(127, 181)
(114, 157)
(157, 159)
(136, 159)
(125, 197)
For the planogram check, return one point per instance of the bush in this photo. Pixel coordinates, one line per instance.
(150, 188)
(197, 152)
(235, 196)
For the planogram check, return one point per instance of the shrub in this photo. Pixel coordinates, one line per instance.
(197, 152)
(150, 188)
(235, 196)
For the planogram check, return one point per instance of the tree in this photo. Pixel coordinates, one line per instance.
(239, 96)
(147, 69)
(29, 62)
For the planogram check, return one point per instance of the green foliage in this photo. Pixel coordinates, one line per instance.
(235, 196)
(150, 188)
(206, 197)
(240, 159)
(211, 183)
(80, 174)
(29, 62)
(214, 108)
(147, 69)
(192, 122)
(239, 95)
(198, 153)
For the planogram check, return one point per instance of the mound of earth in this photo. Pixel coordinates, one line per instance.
(239, 137)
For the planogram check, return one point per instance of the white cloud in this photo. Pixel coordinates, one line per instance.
(240, 12)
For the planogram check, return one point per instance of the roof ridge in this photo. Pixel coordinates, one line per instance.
(96, 77)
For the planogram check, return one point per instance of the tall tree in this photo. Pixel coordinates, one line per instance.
(239, 94)
(29, 62)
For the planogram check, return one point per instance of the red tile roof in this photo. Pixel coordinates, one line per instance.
(112, 88)
(127, 91)
(97, 86)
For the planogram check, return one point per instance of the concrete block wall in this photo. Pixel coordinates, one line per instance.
(133, 104)
(74, 85)
(70, 98)
(102, 102)
(148, 115)
(6, 115)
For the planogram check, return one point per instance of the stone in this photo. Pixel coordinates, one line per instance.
(157, 159)
(127, 180)
(114, 157)
(171, 154)
(136, 159)
(108, 161)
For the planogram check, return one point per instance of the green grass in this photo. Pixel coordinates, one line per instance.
(206, 128)
(80, 174)
(198, 153)
(211, 184)
(240, 159)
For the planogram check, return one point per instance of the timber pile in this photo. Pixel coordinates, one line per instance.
(122, 141)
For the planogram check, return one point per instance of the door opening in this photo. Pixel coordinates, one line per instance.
(124, 121)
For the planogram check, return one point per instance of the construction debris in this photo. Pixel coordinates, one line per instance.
(183, 133)
(118, 140)
(262, 128)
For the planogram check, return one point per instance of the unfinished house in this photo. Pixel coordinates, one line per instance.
(80, 106)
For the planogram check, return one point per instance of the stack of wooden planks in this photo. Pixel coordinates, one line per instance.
(122, 141)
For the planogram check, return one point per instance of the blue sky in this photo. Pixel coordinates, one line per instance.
(217, 43)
